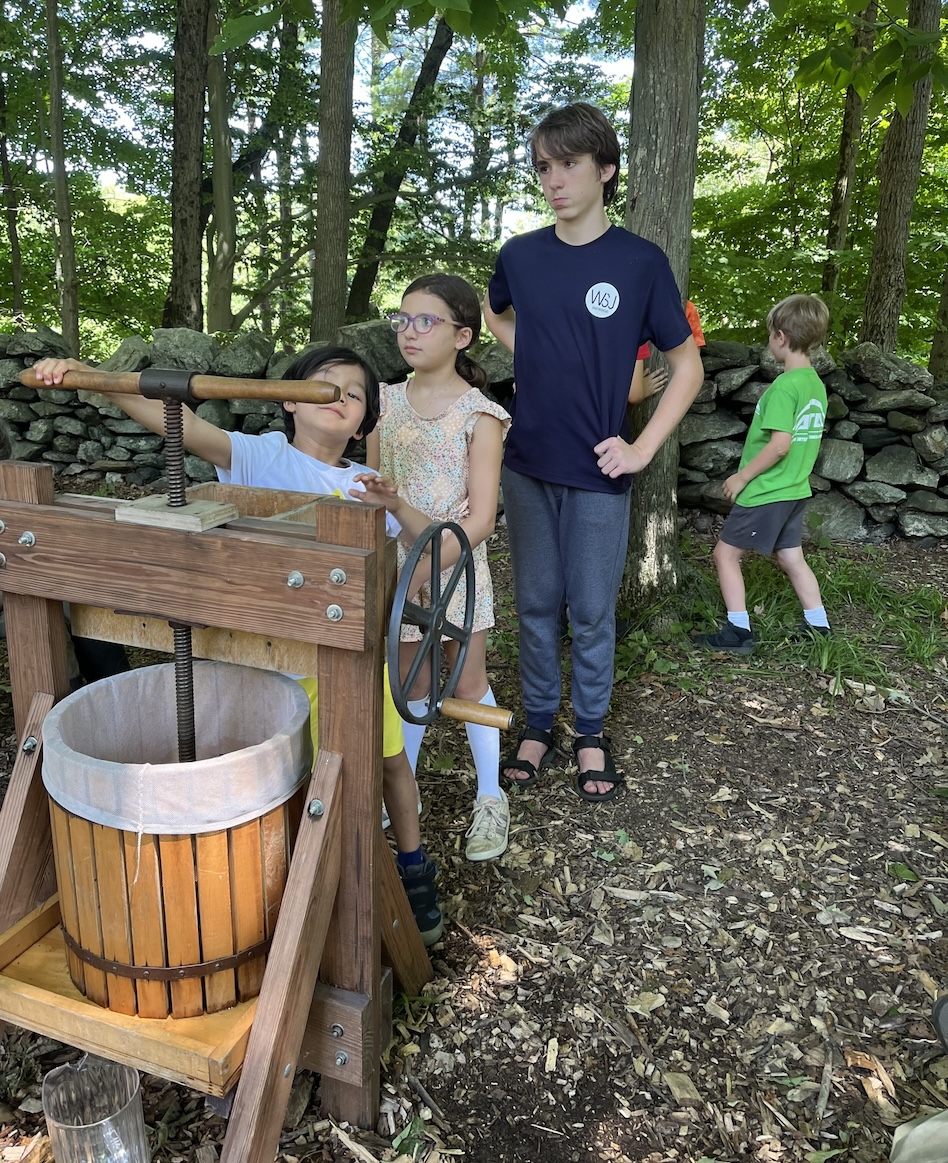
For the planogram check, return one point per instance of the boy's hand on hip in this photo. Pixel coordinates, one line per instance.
(617, 458)
(733, 487)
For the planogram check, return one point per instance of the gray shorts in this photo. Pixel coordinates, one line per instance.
(765, 528)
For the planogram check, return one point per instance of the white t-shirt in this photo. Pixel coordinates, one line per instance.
(268, 461)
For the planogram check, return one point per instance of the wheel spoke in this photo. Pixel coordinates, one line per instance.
(432, 621)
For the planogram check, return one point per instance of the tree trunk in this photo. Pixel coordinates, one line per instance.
(12, 209)
(184, 305)
(842, 200)
(289, 123)
(899, 167)
(479, 163)
(331, 248)
(938, 361)
(66, 247)
(222, 231)
(396, 166)
(669, 57)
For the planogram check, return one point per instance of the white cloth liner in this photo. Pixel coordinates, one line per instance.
(110, 749)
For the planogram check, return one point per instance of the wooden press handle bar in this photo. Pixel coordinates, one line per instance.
(468, 712)
(203, 387)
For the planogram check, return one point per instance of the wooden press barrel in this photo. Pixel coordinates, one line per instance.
(171, 875)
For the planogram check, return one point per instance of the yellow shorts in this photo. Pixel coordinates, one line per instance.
(392, 739)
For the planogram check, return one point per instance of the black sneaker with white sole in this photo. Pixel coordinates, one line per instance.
(730, 639)
(419, 883)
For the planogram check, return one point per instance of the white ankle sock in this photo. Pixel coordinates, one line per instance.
(485, 748)
(414, 733)
(816, 617)
(739, 618)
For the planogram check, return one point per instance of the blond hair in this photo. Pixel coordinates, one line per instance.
(802, 318)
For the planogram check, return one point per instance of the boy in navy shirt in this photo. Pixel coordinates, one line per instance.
(581, 297)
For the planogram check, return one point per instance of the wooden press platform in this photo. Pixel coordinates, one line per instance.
(344, 911)
(204, 1053)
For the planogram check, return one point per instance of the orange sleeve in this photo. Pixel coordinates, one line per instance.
(691, 314)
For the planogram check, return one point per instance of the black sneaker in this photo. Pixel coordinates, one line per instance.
(419, 883)
(806, 630)
(729, 638)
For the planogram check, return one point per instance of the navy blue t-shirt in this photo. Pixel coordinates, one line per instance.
(582, 314)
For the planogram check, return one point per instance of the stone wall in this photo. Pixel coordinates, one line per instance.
(883, 464)
(882, 470)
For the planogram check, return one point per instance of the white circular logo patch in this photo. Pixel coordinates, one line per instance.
(602, 300)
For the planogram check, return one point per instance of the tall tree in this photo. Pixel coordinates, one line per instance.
(393, 174)
(222, 230)
(66, 247)
(666, 85)
(184, 305)
(842, 199)
(11, 207)
(899, 168)
(331, 246)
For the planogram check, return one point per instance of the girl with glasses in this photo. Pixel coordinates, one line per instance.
(440, 441)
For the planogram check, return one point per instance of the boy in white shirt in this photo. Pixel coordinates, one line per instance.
(311, 458)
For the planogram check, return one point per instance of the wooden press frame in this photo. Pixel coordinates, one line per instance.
(343, 907)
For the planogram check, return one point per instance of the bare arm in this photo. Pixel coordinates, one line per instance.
(205, 440)
(645, 384)
(616, 456)
(773, 451)
(502, 326)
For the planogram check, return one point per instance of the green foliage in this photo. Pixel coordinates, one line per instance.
(884, 72)
(767, 156)
(875, 623)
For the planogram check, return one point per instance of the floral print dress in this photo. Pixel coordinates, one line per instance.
(427, 458)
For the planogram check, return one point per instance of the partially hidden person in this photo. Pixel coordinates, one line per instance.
(311, 457)
(574, 302)
(771, 486)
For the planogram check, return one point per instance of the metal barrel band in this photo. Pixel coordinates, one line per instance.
(166, 972)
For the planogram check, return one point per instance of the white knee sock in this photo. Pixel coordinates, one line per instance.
(414, 733)
(485, 748)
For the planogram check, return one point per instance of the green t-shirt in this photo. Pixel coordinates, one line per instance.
(795, 402)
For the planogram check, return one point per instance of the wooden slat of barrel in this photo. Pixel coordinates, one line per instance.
(87, 904)
(116, 927)
(246, 866)
(147, 916)
(65, 878)
(182, 932)
(276, 861)
(217, 926)
(294, 814)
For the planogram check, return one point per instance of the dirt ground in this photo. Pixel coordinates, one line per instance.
(735, 959)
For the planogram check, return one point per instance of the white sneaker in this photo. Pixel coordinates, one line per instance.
(387, 823)
(490, 828)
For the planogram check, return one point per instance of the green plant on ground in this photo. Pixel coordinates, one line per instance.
(874, 622)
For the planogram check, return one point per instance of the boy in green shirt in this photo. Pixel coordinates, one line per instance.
(770, 488)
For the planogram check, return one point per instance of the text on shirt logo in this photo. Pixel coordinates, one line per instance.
(602, 300)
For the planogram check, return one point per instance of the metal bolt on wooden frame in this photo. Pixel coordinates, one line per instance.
(343, 908)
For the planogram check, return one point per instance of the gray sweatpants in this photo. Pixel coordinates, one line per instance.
(567, 545)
